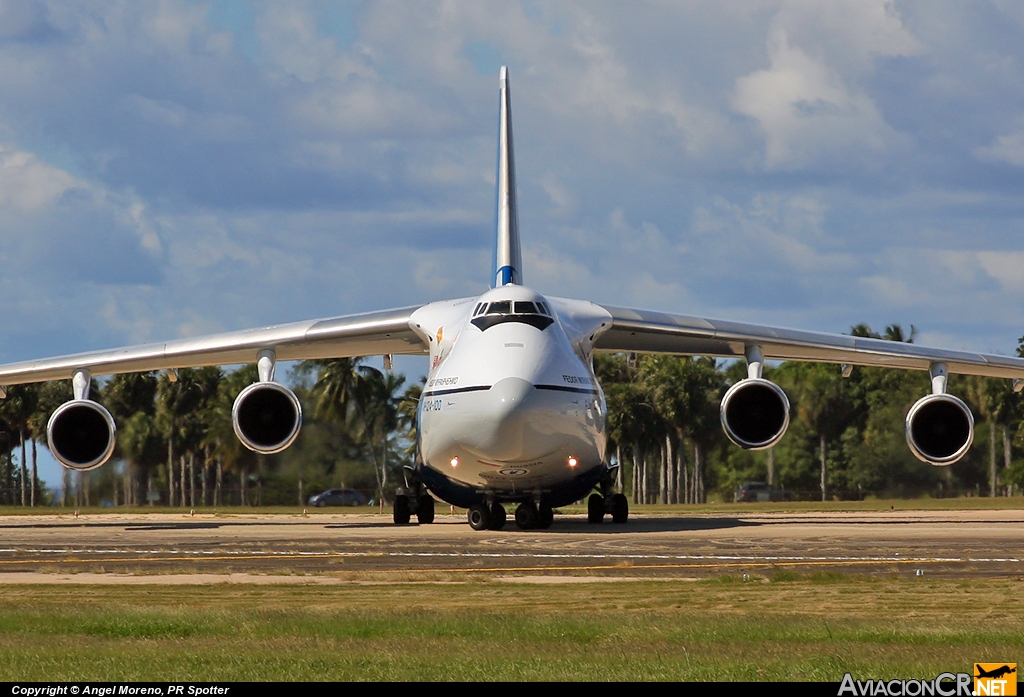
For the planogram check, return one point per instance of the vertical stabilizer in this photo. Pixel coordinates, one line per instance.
(508, 258)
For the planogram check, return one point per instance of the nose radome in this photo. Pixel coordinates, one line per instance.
(509, 394)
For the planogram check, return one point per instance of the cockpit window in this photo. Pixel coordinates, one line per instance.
(510, 307)
(535, 314)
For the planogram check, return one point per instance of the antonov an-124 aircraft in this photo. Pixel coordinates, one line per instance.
(511, 411)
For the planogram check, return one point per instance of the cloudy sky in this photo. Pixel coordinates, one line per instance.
(174, 169)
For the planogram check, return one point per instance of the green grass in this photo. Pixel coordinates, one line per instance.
(787, 627)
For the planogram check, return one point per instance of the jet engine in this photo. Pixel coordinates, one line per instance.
(81, 434)
(940, 429)
(755, 413)
(266, 417)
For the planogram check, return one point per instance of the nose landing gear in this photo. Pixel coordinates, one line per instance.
(479, 516)
(527, 516)
(530, 516)
(484, 516)
(498, 516)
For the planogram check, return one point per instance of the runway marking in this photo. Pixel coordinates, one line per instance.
(634, 567)
(717, 559)
(605, 567)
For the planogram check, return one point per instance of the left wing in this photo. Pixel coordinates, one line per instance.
(645, 331)
(373, 333)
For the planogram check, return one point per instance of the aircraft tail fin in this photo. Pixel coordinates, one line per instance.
(508, 258)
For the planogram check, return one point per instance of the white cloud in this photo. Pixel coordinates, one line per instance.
(28, 184)
(1005, 267)
(785, 235)
(811, 103)
(1006, 148)
(809, 116)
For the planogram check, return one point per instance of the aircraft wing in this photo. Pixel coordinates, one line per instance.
(645, 331)
(373, 333)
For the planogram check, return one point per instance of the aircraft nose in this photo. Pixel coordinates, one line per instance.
(508, 396)
(503, 434)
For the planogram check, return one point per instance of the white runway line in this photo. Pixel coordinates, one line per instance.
(514, 555)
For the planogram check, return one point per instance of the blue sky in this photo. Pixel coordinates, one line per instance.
(173, 169)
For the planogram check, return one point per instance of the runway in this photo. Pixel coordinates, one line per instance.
(337, 548)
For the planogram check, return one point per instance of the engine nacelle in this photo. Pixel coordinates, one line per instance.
(266, 417)
(755, 413)
(81, 434)
(940, 429)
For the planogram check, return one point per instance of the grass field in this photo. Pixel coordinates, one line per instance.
(781, 628)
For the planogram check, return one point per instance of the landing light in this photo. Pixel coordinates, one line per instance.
(455, 462)
(572, 461)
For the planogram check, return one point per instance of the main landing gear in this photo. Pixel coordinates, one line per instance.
(615, 504)
(406, 504)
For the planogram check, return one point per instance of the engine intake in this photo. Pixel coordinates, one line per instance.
(940, 429)
(755, 413)
(81, 434)
(266, 417)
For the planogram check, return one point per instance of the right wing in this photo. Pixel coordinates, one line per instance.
(372, 333)
(645, 331)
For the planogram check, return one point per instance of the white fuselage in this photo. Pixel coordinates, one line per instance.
(511, 405)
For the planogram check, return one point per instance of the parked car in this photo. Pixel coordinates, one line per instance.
(759, 491)
(338, 497)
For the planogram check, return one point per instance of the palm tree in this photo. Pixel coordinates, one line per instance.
(180, 398)
(50, 396)
(209, 380)
(335, 386)
(131, 399)
(630, 419)
(375, 402)
(219, 438)
(684, 392)
(6, 452)
(822, 402)
(141, 445)
(408, 417)
(998, 404)
(347, 392)
(18, 408)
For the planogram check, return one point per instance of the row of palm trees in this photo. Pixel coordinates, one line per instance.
(846, 437)
(175, 438)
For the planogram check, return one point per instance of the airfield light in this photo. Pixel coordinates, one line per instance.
(455, 462)
(572, 461)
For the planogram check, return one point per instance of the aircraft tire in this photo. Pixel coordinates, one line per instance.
(527, 516)
(425, 510)
(620, 509)
(498, 516)
(545, 517)
(401, 510)
(479, 516)
(595, 509)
